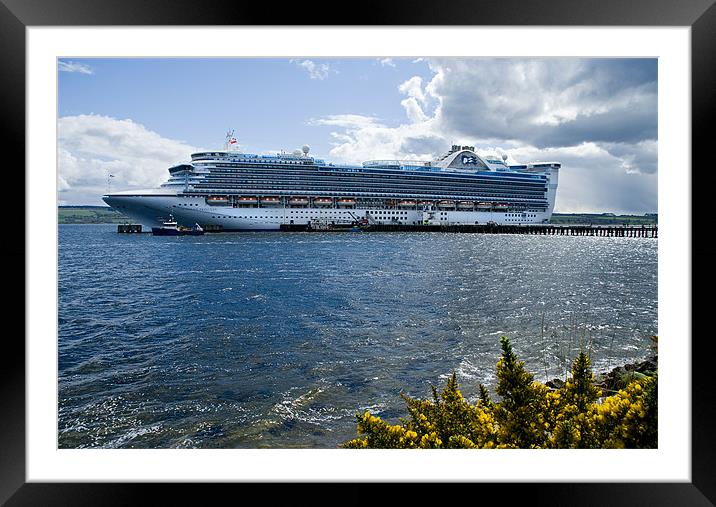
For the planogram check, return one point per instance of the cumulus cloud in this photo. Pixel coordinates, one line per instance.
(593, 179)
(549, 102)
(413, 87)
(596, 116)
(92, 146)
(67, 66)
(387, 62)
(315, 70)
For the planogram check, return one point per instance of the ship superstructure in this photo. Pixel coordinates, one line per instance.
(234, 191)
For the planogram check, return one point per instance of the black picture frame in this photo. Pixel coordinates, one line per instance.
(700, 15)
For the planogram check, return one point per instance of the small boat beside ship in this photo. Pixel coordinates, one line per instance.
(170, 227)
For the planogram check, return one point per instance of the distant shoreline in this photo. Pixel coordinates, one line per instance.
(107, 215)
(90, 215)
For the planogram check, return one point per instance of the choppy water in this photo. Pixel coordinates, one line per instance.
(278, 339)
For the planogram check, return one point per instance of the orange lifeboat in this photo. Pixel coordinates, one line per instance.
(270, 200)
(465, 205)
(323, 201)
(446, 204)
(217, 200)
(346, 201)
(406, 204)
(298, 201)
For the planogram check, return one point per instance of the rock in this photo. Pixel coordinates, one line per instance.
(620, 376)
(647, 365)
(555, 383)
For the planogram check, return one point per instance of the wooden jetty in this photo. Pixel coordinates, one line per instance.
(129, 228)
(609, 231)
(213, 228)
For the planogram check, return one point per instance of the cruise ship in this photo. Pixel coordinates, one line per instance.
(228, 190)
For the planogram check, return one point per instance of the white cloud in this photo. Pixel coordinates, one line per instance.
(548, 102)
(315, 70)
(597, 117)
(387, 62)
(92, 146)
(413, 87)
(413, 105)
(593, 179)
(413, 110)
(347, 121)
(67, 66)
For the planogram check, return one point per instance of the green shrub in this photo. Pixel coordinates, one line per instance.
(527, 415)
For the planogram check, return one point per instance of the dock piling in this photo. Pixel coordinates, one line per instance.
(129, 228)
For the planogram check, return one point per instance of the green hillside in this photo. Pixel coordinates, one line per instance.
(89, 215)
(603, 219)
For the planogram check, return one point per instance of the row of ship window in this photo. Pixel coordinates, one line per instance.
(373, 189)
(379, 211)
(380, 178)
(325, 184)
(193, 204)
(302, 183)
(374, 178)
(375, 171)
(482, 196)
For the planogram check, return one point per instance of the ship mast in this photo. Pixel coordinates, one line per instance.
(230, 144)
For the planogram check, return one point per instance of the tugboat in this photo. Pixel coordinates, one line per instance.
(171, 228)
(168, 228)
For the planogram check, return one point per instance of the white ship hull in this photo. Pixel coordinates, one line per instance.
(152, 210)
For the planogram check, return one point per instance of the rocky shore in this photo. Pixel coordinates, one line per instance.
(619, 377)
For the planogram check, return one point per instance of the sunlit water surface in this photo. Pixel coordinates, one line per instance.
(278, 339)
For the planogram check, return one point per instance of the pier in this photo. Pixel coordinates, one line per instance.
(609, 231)
(129, 228)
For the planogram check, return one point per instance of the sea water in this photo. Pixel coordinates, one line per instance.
(253, 340)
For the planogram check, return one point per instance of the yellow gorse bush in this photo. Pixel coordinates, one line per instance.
(528, 414)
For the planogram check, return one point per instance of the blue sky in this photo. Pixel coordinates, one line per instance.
(135, 117)
(266, 101)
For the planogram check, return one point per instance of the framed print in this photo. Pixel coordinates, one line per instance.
(49, 47)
